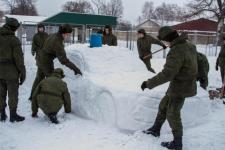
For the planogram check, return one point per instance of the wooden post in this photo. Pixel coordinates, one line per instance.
(83, 34)
(73, 36)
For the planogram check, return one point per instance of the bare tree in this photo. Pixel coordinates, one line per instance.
(115, 8)
(11, 4)
(21, 7)
(99, 4)
(163, 13)
(169, 12)
(148, 10)
(1, 15)
(124, 25)
(80, 6)
(112, 7)
(214, 7)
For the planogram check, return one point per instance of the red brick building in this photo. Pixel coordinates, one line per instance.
(201, 31)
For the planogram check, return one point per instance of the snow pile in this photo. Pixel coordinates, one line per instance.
(30, 20)
(109, 90)
(131, 108)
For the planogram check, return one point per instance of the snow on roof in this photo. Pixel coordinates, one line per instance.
(160, 22)
(166, 23)
(201, 24)
(28, 20)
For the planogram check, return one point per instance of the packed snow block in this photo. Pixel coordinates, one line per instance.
(109, 90)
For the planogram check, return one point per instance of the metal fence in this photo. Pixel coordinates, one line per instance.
(128, 38)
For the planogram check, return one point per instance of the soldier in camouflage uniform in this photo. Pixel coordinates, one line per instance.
(144, 44)
(181, 70)
(221, 61)
(37, 45)
(50, 95)
(12, 69)
(54, 48)
(203, 70)
(108, 37)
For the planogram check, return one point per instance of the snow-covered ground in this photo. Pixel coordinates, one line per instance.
(110, 110)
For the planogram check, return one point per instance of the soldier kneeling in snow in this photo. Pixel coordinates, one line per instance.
(50, 95)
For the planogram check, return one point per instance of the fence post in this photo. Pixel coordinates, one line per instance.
(131, 38)
(127, 38)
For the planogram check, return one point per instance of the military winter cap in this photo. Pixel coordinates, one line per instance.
(108, 27)
(142, 31)
(168, 34)
(59, 71)
(40, 25)
(12, 23)
(65, 28)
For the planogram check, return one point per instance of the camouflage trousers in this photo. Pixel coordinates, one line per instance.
(147, 63)
(170, 108)
(11, 87)
(40, 75)
(49, 104)
(222, 72)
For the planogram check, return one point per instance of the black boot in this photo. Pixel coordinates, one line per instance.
(30, 98)
(3, 116)
(53, 118)
(154, 130)
(176, 144)
(14, 117)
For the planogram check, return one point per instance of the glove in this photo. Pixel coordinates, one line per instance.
(203, 83)
(141, 58)
(77, 71)
(34, 115)
(217, 68)
(164, 46)
(22, 76)
(217, 65)
(33, 53)
(144, 85)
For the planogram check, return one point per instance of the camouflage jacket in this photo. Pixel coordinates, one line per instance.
(11, 55)
(181, 70)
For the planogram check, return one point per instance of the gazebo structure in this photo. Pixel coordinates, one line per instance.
(81, 22)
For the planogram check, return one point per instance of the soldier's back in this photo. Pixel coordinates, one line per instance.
(8, 44)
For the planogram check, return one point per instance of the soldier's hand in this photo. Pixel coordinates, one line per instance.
(144, 85)
(78, 72)
(34, 115)
(217, 67)
(33, 53)
(22, 76)
(164, 47)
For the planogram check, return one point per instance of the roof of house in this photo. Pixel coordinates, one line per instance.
(201, 24)
(81, 19)
(146, 21)
(28, 20)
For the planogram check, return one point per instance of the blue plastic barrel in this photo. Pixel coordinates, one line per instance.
(96, 40)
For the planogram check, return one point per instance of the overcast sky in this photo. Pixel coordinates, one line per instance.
(132, 8)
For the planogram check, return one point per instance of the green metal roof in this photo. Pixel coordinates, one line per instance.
(81, 19)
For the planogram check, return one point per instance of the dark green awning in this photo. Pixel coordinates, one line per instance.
(81, 19)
